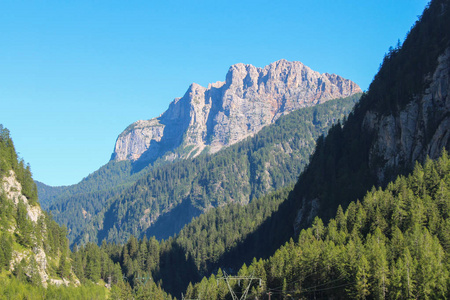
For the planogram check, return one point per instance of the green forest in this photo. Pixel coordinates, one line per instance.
(393, 244)
(344, 165)
(247, 170)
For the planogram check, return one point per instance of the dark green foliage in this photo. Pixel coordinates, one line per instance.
(75, 205)
(24, 228)
(6, 211)
(390, 245)
(113, 263)
(122, 291)
(5, 251)
(19, 271)
(27, 272)
(214, 238)
(344, 164)
(209, 241)
(64, 266)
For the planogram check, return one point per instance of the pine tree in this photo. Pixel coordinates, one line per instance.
(362, 279)
(5, 251)
(24, 228)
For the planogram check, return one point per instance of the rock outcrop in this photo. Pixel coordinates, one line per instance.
(12, 189)
(421, 129)
(208, 119)
(35, 257)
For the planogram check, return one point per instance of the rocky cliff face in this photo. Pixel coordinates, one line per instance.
(397, 140)
(421, 129)
(403, 118)
(12, 189)
(35, 257)
(208, 119)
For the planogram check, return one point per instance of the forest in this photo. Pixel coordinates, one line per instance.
(270, 160)
(393, 244)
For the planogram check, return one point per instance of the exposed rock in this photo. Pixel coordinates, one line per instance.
(59, 282)
(13, 191)
(422, 129)
(227, 112)
(309, 211)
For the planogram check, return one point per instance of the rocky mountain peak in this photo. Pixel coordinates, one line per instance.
(208, 119)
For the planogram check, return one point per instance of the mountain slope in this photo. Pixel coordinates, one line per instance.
(35, 259)
(170, 195)
(203, 121)
(33, 247)
(208, 119)
(393, 245)
(403, 117)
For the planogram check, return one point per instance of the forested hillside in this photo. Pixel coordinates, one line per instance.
(163, 200)
(210, 241)
(393, 244)
(34, 250)
(403, 118)
(35, 259)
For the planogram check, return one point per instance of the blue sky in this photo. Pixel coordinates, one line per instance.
(74, 74)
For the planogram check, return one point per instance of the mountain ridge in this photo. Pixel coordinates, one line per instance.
(267, 161)
(208, 119)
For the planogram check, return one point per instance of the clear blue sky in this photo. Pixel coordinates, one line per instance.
(74, 74)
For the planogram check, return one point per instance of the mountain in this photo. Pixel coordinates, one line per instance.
(224, 113)
(393, 243)
(168, 196)
(203, 121)
(403, 118)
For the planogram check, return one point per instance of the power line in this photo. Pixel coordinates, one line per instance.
(182, 298)
(227, 279)
(301, 279)
(307, 288)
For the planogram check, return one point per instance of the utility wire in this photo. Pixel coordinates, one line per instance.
(319, 285)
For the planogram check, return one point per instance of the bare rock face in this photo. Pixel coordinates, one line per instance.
(11, 188)
(13, 191)
(224, 113)
(422, 129)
